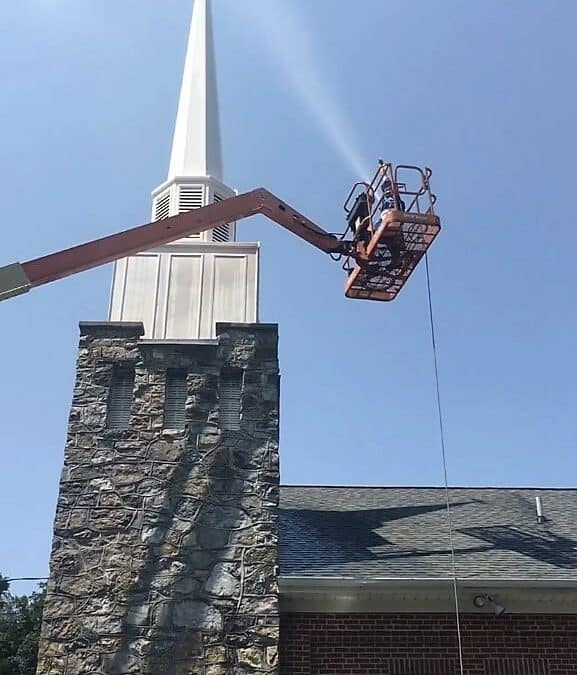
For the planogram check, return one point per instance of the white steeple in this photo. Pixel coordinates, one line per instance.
(180, 291)
(196, 146)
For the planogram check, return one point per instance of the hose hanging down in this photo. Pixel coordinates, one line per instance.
(445, 474)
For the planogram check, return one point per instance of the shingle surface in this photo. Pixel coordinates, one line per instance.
(402, 532)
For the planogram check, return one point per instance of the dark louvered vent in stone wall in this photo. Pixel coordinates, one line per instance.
(120, 399)
(229, 400)
(175, 400)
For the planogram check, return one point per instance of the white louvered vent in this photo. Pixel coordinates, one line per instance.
(229, 400)
(162, 207)
(222, 232)
(120, 398)
(175, 400)
(190, 197)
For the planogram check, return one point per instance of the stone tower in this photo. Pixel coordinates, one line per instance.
(165, 557)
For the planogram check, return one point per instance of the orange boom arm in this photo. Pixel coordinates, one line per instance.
(371, 276)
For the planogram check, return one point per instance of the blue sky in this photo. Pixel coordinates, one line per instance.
(481, 92)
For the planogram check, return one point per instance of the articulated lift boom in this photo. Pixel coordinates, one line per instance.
(384, 240)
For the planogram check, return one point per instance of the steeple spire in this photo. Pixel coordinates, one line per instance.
(196, 149)
(181, 290)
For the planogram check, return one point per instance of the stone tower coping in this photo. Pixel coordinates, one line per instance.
(136, 329)
(178, 354)
(112, 329)
(222, 327)
(176, 343)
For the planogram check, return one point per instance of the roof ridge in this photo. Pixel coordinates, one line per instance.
(432, 487)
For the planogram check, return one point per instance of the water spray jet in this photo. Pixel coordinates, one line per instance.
(289, 41)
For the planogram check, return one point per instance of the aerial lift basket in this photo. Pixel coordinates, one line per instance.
(393, 223)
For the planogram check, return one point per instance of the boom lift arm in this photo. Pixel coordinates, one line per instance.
(384, 248)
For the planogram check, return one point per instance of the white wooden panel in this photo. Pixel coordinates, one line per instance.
(229, 293)
(184, 294)
(140, 290)
(252, 289)
(161, 297)
(207, 327)
(181, 291)
(117, 291)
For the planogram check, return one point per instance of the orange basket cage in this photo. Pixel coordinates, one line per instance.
(400, 227)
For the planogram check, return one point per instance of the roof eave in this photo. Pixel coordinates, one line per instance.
(333, 595)
(289, 583)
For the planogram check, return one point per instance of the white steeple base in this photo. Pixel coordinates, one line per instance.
(181, 291)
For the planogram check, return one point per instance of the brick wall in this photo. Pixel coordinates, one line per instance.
(405, 644)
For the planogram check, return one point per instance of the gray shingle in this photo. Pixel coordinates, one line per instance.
(402, 532)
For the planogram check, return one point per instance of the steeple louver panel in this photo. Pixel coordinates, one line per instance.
(190, 197)
(222, 232)
(162, 206)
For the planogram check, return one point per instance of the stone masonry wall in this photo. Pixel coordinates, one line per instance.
(164, 559)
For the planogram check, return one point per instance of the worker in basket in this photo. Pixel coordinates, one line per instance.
(359, 217)
(391, 198)
(393, 238)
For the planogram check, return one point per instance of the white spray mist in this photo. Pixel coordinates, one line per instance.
(291, 43)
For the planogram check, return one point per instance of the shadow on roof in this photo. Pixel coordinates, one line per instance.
(340, 537)
(547, 547)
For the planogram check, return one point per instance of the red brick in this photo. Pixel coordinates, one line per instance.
(387, 644)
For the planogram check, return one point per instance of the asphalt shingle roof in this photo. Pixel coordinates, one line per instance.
(401, 532)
